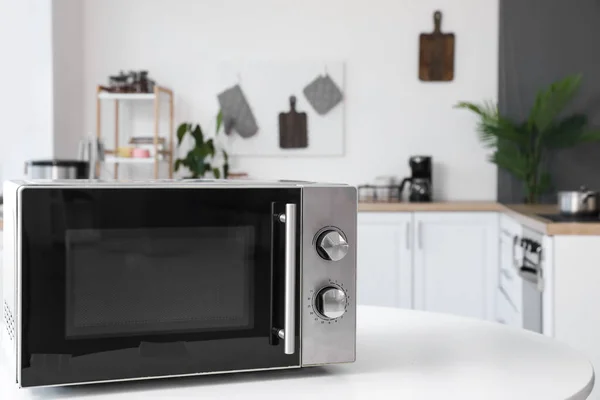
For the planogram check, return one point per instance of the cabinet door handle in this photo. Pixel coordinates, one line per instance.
(419, 239)
(408, 236)
(506, 274)
(516, 262)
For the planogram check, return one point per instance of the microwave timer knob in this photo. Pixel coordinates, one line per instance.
(332, 245)
(330, 302)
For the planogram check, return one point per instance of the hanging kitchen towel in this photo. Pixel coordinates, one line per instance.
(237, 114)
(323, 94)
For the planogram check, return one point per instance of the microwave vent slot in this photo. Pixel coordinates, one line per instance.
(9, 322)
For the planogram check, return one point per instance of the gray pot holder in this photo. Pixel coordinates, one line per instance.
(237, 114)
(323, 94)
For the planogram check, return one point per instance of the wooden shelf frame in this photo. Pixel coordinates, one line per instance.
(158, 94)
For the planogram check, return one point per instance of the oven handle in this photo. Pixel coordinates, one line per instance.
(288, 333)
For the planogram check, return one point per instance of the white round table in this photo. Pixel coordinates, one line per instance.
(400, 355)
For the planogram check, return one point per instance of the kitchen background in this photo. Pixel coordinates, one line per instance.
(67, 47)
(389, 113)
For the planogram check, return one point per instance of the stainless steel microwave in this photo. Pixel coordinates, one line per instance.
(109, 281)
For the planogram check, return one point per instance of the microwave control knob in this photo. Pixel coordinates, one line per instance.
(332, 245)
(330, 302)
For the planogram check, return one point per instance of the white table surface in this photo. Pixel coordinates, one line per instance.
(400, 355)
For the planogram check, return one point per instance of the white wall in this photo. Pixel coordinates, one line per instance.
(26, 69)
(67, 51)
(390, 114)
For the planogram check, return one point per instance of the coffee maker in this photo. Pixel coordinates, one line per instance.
(420, 180)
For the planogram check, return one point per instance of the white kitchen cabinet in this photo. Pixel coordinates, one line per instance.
(511, 257)
(455, 263)
(384, 256)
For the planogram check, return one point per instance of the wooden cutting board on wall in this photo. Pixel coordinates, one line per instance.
(293, 132)
(436, 53)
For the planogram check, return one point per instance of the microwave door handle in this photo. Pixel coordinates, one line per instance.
(288, 333)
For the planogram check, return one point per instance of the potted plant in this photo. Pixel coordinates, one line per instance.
(522, 148)
(199, 160)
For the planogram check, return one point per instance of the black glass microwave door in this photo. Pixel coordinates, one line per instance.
(129, 281)
(133, 283)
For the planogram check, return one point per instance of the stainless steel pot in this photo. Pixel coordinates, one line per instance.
(581, 202)
(57, 169)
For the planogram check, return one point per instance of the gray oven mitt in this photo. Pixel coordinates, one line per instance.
(323, 94)
(237, 114)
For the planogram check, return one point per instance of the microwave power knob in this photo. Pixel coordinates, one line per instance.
(330, 302)
(332, 245)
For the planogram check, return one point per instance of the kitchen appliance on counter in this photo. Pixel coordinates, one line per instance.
(420, 182)
(56, 169)
(91, 150)
(578, 203)
(101, 284)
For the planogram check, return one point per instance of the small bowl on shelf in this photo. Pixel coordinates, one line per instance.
(140, 153)
(125, 152)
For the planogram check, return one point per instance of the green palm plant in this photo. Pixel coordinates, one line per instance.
(522, 148)
(199, 159)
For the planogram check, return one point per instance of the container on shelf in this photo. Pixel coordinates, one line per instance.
(147, 142)
(124, 151)
(140, 153)
(144, 83)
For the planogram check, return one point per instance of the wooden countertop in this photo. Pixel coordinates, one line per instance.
(527, 215)
(467, 206)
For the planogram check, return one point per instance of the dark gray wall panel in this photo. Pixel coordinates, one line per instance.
(542, 41)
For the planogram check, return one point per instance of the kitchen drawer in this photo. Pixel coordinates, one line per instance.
(505, 312)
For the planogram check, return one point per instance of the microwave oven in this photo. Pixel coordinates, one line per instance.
(110, 281)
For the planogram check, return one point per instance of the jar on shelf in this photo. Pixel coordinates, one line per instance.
(134, 82)
(120, 84)
(112, 83)
(144, 82)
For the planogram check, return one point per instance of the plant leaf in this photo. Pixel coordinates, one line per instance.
(509, 158)
(544, 184)
(210, 147)
(219, 121)
(199, 153)
(566, 133)
(216, 173)
(198, 135)
(225, 170)
(492, 128)
(181, 130)
(178, 163)
(549, 103)
(590, 136)
(485, 109)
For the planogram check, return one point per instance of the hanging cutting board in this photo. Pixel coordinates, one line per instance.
(436, 53)
(293, 133)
